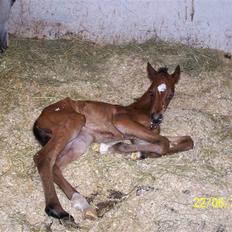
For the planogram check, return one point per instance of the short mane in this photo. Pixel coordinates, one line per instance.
(163, 70)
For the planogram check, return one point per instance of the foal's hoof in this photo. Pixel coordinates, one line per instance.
(90, 213)
(135, 155)
(138, 156)
(52, 212)
(96, 147)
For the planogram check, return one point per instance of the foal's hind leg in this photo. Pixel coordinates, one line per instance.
(77, 200)
(72, 151)
(68, 128)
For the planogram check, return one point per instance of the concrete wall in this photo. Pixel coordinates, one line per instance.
(205, 23)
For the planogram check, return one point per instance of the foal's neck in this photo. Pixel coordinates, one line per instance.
(143, 103)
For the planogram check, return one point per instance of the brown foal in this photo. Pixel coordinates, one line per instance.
(67, 128)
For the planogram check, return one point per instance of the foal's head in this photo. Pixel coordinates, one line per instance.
(161, 91)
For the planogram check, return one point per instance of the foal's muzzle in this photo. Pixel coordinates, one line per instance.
(155, 120)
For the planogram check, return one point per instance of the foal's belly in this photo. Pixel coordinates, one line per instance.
(103, 134)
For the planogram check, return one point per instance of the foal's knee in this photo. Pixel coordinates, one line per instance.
(163, 146)
(189, 142)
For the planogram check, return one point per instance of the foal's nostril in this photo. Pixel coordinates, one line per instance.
(152, 116)
(156, 118)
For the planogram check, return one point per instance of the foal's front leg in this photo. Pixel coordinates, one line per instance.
(180, 143)
(153, 144)
(177, 144)
(133, 130)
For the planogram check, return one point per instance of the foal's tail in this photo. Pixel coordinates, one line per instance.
(41, 135)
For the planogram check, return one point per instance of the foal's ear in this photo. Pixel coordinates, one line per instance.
(176, 74)
(150, 72)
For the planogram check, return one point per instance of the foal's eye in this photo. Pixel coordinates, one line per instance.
(170, 97)
(151, 93)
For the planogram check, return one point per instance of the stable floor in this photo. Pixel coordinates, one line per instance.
(173, 193)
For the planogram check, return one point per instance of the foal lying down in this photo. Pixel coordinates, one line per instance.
(67, 128)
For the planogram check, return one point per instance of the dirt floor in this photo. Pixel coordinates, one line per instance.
(185, 192)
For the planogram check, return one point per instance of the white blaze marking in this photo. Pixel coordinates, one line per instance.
(162, 87)
(79, 202)
(57, 109)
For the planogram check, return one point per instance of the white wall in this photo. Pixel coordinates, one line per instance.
(198, 22)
